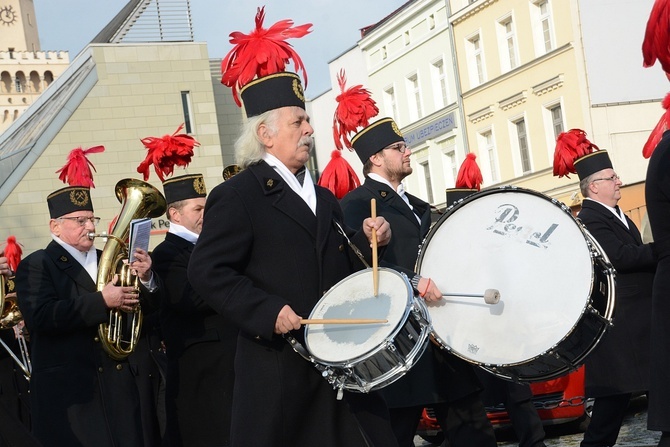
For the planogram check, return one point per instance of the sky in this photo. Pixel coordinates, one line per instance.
(69, 25)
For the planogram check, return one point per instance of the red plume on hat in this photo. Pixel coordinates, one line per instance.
(77, 169)
(661, 127)
(354, 109)
(570, 146)
(469, 175)
(260, 53)
(166, 152)
(656, 43)
(13, 253)
(339, 176)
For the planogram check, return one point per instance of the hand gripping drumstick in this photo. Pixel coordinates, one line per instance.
(375, 272)
(491, 296)
(341, 321)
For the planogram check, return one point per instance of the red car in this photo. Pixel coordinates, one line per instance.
(558, 401)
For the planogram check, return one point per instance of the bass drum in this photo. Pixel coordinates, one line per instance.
(364, 357)
(555, 282)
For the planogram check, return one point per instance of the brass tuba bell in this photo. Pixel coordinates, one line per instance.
(10, 314)
(138, 200)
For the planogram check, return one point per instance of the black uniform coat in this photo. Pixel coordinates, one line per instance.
(79, 395)
(431, 380)
(201, 351)
(261, 248)
(620, 362)
(657, 191)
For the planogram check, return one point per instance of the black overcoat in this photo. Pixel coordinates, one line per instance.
(200, 349)
(261, 248)
(657, 192)
(620, 361)
(430, 380)
(79, 395)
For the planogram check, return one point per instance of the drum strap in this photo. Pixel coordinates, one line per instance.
(351, 244)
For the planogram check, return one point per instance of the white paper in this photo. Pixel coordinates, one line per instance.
(140, 231)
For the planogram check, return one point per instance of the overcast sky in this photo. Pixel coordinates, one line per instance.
(71, 24)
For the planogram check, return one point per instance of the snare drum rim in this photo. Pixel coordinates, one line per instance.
(351, 361)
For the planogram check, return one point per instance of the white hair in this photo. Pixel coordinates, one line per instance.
(249, 148)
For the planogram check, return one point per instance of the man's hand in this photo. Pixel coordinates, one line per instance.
(124, 298)
(4, 267)
(429, 291)
(287, 320)
(382, 227)
(142, 265)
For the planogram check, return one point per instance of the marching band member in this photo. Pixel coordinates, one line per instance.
(79, 395)
(269, 248)
(619, 364)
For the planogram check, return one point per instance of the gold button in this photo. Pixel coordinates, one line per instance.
(100, 369)
(119, 367)
(96, 339)
(341, 247)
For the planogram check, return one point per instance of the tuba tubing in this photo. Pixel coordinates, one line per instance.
(138, 200)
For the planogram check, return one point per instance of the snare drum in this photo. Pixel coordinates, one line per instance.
(363, 357)
(556, 284)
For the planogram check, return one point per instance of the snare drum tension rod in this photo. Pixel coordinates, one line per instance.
(491, 296)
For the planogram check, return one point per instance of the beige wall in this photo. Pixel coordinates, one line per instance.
(137, 95)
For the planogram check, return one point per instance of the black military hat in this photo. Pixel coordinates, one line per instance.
(376, 137)
(272, 92)
(184, 187)
(68, 200)
(592, 163)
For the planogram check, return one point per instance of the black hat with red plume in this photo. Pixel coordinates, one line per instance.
(165, 153)
(575, 154)
(354, 109)
(255, 67)
(468, 180)
(77, 173)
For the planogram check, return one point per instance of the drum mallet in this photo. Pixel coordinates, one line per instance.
(491, 296)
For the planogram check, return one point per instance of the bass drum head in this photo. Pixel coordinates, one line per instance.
(353, 297)
(528, 248)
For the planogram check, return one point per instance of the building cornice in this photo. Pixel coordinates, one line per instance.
(470, 11)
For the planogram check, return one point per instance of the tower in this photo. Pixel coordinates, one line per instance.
(18, 26)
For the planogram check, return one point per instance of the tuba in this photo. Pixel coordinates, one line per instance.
(138, 200)
(10, 317)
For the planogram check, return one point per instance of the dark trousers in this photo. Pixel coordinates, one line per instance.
(464, 423)
(606, 420)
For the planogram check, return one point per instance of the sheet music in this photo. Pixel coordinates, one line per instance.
(140, 231)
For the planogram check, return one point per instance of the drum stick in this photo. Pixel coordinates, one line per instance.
(341, 321)
(375, 272)
(491, 296)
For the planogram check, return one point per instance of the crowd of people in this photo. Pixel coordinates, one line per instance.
(220, 359)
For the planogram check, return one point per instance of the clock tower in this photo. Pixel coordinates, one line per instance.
(18, 26)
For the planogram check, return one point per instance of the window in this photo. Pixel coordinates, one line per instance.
(440, 92)
(556, 120)
(490, 151)
(507, 41)
(414, 97)
(542, 27)
(524, 152)
(429, 187)
(390, 103)
(476, 61)
(17, 85)
(451, 165)
(186, 107)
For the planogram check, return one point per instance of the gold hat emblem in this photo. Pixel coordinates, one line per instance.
(199, 185)
(79, 197)
(394, 126)
(297, 89)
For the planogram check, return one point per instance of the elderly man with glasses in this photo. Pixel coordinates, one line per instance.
(79, 395)
(619, 364)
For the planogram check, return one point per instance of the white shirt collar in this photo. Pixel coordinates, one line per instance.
(305, 191)
(183, 232)
(88, 260)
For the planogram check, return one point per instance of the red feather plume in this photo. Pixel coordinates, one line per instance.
(260, 53)
(13, 253)
(354, 109)
(656, 43)
(166, 152)
(77, 169)
(469, 175)
(570, 146)
(339, 176)
(657, 133)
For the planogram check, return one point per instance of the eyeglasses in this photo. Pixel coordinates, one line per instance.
(612, 178)
(400, 147)
(81, 220)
